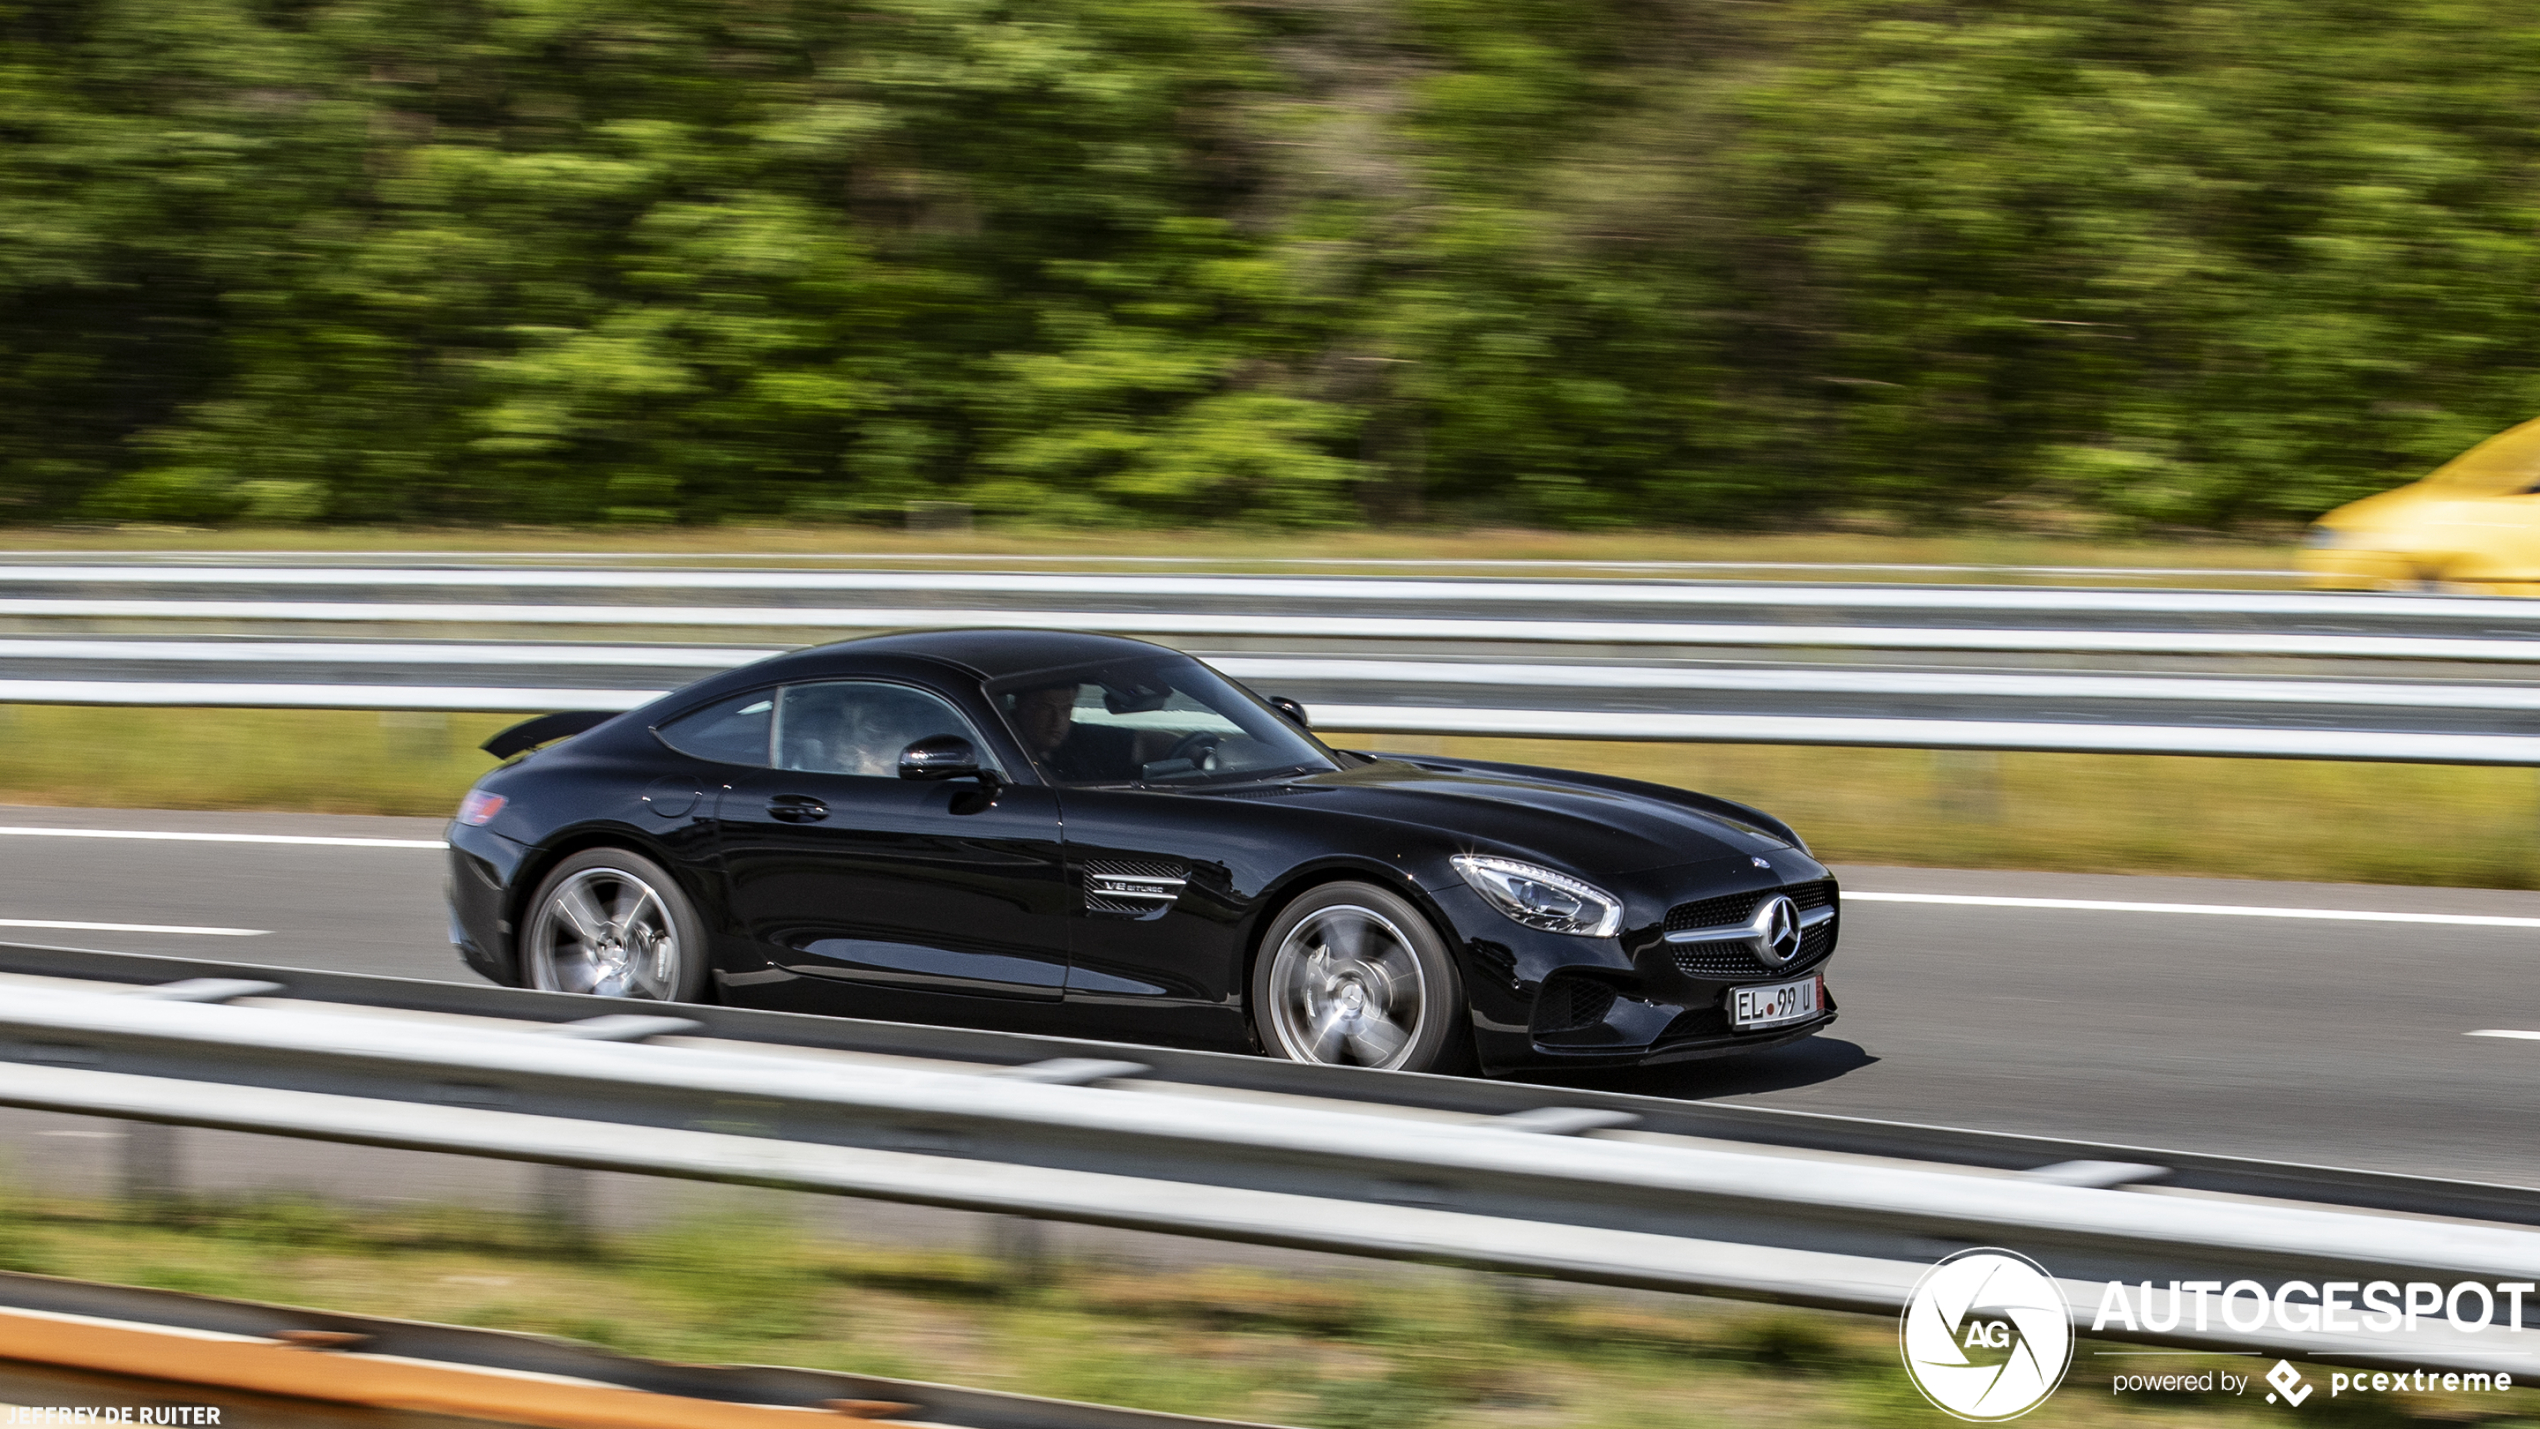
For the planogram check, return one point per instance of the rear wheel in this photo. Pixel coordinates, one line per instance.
(614, 923)
(1352, 975)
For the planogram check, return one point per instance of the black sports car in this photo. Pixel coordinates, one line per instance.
(1100, 837)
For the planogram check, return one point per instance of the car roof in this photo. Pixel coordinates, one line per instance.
(984, 655)
(990, 654)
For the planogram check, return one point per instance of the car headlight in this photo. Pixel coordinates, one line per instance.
(2321, 538)
(1541, 898)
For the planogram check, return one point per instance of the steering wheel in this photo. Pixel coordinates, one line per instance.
(1199, 747)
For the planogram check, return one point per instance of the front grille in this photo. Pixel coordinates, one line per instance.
(1716, 961)
(1730, 962)
(1567, 1004)
(1731, 908)
(1123, 886)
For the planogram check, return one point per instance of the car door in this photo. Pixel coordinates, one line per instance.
(898, 893)
(2497, 540)
(1165, 882)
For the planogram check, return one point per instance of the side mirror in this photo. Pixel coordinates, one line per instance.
(941, 756)
(1294, 711)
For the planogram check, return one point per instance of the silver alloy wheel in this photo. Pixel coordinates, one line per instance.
(1346, 989)
(605, 931)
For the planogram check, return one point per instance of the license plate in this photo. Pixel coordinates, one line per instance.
(1774, 1004)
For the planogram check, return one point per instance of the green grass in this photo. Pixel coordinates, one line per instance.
(2099, 813)
(320, 761)
(2232, 818)
(1384, 1348)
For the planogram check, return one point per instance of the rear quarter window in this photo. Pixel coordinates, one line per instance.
(733, 731)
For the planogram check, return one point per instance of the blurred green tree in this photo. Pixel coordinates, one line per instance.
(1167, 261)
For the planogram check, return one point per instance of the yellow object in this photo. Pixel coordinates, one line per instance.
(2472, 525)
(210, 1359)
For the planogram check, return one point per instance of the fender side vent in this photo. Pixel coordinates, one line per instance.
(1137, 890)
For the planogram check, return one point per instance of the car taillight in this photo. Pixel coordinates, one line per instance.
(480, 807)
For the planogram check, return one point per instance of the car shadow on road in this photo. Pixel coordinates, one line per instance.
(1800, 1064)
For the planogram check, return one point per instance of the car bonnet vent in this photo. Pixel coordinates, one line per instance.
(1140, 889)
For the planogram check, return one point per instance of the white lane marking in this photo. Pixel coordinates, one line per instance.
(132, 928)
(2091, 905)
(2220, 910)
(31, 831)
(2504, 1032)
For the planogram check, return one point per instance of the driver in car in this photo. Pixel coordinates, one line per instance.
(1085, 754)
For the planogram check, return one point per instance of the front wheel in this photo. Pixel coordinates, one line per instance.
(1351, 975)
(615, 924)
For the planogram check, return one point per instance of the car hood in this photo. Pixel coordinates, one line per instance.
(1576, 825)
(2385, 509)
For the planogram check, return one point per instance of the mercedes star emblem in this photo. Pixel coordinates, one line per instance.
(1780, 929)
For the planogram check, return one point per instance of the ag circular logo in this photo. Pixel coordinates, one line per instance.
(1987, 1335)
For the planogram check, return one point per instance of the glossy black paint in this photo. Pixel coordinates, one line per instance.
(968, 902)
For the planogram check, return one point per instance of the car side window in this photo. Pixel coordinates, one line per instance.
(732, 731)
(860, 726)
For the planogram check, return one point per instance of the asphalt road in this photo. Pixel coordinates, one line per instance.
(2306, 1039)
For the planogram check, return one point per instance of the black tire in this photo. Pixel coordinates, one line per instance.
(612, 922)
(1351, 974)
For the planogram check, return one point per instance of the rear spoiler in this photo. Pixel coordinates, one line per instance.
(545, 729)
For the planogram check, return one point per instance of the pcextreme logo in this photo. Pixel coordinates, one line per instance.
(2288, 1382)
(1987, 1335)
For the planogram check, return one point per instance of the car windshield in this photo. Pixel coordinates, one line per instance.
(2505, 464)
(1166, 720)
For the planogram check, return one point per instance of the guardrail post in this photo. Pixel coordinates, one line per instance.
(1522, 1300)
(1022, 1245)
(561, 1198)
(939, 516)
(415, 734)
(153, 1173)
(1969, 783)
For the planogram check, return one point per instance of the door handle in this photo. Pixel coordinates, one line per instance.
(797, 809)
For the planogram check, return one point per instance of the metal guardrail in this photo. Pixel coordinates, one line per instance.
(2241, 673)
(1557, 1185)
(1799, 1131)
(955, 560)
(1458, 594)
(2034, 736)
(1873, 733)
(341, 662)
(362, 591)
(1309, 626)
